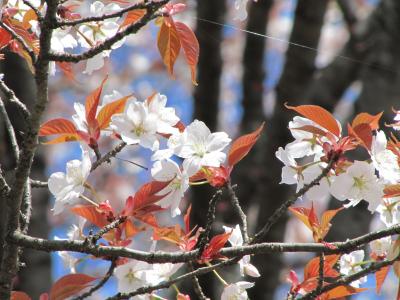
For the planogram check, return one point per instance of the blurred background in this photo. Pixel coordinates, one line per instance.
(341, 54)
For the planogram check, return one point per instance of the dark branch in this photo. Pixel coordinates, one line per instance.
(10, 130)
(10, 96)
(107, 157)
(236, 205)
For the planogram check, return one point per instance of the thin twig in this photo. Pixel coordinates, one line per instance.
(94, 238)
(102, 282)
(10, 96)
(203, 240)
(103, 17)
(10, 130)
(38, 184)
(108, 43)
(236, 205)
(283, 208)
(320, 272)
(196, 284)
(107, 157)
(20, 40)
(26, 208)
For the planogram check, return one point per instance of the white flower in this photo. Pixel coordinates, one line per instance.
(96, 62)
(136, 125)
(166, 117)
(241, 7)
(384, 160)
(382, 246)
(199, 147)
(358, 183)
(350, 264)
(389, 212)
(236, 291)
(67, 187)
(62, 39)
(133, 275)
(236, 240)
(168, 170)
(68, 260)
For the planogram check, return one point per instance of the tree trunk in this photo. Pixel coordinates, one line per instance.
(298, 71)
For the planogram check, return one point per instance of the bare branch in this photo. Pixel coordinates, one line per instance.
(107, 157)
(38, 184)
(100, 284)
(23, 240)
(20, 40)
(196, 284)
(10, 96)
(283, 208)
(108, 43)
(210, 220)
(10, 130)
(120, 13)
(236, 205)
(94, 238)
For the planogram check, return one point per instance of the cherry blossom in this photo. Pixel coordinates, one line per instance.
(133, 275)
(166, 117)
(382, 246)
(350, 264)
(359, 182)
(389, 212)
(136, 125)
(168, 170)
(236, 240)
(236, 291)
(67, 187)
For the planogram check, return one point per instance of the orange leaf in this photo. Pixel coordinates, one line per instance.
(312, 268)
(17, 295)
(318, 115)
(391, 190)
(363, 133)
(70, 285)
(380, 277)
(342, 291)
(90, 213)
(326, 221)
(66, 68)
(242, 145)
(366, 118)
(302, 213)
(108, 110)
(169, 44)
(92, 102)
(215, 245)
(63, 139)
(57, 126)
(131, 229)
(132, 17)
(190, 46)
(173, 234)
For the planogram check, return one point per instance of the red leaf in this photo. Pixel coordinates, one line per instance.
(242, 145)
(145, 196)
(363, 133)
(186, 219)
(5, 38)
(215, 245)
(326, 221)
(91, 213)
(312, 268)
(17, 295)
(318, 115)
(133, 16)
(66, 68)
(92, 102)
(391, 190)
(302, 213)
(108, 110)
(130, 229)
(366, 118)
(380, 277)
(190, 46)
(57, 126)
(342, 291)
(70, 285)
(168, 44)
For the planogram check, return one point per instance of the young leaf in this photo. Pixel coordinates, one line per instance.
(318, 115)
(366, 118)
(215, 245)
(90, 213)
(391, 190)
(363, 133)
(342, 291)
(57, 126)
(168, 44)
(63, 139)
(92, 102)
(108, 110)
(17, 295)
(70, 285)
(190, 46)
(380, 277)
(132, 17)
(242, 146)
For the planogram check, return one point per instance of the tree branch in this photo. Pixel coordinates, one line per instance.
(196, 284)
(108, 156)
(37, 12)
(283, 208)
(100, 284)
(94, 238)
(10, 130)
(108, 43)
(10, 96)
(236, 205)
